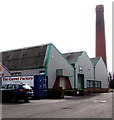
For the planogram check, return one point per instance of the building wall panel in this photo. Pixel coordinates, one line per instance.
(87, 69)
(57, 61)
(101, 74)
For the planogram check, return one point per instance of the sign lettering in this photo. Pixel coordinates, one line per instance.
(23, 79)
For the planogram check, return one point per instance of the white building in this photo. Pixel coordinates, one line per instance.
(83, 68)
(43, 59)
(100, 74)
(90, 74)
(70, 70)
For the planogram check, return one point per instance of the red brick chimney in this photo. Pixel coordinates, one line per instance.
(100, 33)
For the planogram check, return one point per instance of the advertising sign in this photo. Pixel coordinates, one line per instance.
(19, 79)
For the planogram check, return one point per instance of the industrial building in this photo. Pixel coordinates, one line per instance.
(100, 74)
(89, 74)
(43, 59)
(73, 70)
(83, 68)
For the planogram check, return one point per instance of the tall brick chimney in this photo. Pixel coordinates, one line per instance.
(100, 33)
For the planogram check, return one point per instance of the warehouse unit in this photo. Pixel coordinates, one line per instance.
(40, 60)
(100, 74)
(73, 70)
(90, 74)
(83, 68)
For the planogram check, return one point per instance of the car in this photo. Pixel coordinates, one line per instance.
(15, 92)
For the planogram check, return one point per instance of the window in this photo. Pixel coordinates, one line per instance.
(4, 87)
(16, 86)
(89, 83)
(80, 69)
(98, 84)
(10, 87)
(42, 72)
(16, 74)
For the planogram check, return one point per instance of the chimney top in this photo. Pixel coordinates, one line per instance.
(100, 8)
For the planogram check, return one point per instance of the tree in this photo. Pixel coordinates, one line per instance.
(111, 81)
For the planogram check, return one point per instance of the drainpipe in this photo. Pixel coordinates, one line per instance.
(74, 75)
(46, 71)
(94, 79)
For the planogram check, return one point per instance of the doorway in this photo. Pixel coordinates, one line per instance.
(80, 84)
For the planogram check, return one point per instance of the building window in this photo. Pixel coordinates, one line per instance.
(98, 84)
(42, 72)
(89, 83)
(80, 69)
(16, 74)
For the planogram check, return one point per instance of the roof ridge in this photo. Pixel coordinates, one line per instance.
(74, 52)
(26, 47)
(95, 58)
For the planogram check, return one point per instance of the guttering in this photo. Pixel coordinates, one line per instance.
(27, 68)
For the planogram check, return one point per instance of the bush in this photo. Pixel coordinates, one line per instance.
(70, 92)
(74, 92)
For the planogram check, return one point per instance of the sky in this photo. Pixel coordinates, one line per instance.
(68, 24)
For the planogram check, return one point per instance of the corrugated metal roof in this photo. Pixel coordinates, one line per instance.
(73, 56)
(95, 60)
(24, 58)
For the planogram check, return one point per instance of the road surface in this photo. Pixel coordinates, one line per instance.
(93, 106)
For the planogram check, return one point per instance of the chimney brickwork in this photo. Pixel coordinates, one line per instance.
(100, 33)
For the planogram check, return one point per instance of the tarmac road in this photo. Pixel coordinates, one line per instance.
(93, 106)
